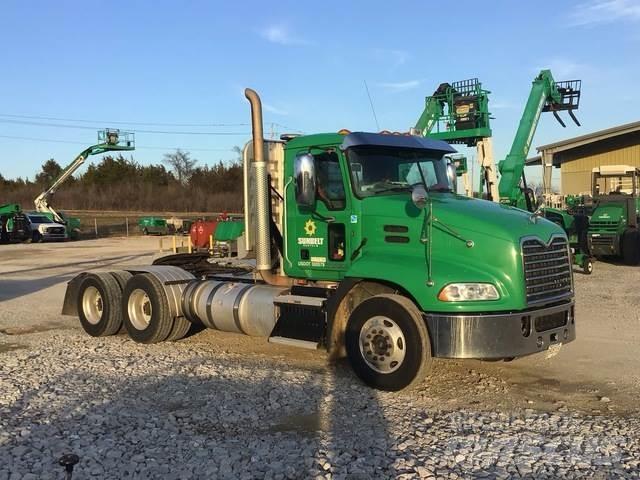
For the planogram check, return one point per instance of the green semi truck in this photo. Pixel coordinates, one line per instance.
(615, 219)
(362, 248)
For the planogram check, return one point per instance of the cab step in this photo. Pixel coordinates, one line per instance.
(302, 319)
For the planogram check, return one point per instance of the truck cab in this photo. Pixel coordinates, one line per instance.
(613, 230)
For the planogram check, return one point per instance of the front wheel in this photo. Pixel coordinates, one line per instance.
(587, 266)
(387, 343)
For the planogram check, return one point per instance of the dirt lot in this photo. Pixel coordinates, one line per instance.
(588, 390)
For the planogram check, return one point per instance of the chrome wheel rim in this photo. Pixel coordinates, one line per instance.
(382, 344)
(92, 305)
(139, 309)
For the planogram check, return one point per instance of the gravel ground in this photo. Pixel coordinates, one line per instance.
(192, 411)
(219, 405)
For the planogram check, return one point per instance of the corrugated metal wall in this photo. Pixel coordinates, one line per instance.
(577, 165)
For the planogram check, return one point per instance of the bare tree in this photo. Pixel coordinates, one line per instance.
(181, 163)
(238, 151)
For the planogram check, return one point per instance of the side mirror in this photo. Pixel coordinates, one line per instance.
(453, 177)
(305, 176)
(419, 196)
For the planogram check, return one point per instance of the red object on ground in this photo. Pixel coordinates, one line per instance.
(200, 232)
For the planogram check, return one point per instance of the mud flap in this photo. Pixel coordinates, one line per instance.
(70, 305)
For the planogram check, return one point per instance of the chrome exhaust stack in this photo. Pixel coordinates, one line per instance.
(264, 263)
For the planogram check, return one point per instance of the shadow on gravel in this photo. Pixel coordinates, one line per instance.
(206, 418)
(10, 289)
(97, 263)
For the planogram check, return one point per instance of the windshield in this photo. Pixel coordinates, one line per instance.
(38, 219)
(383, 170)
(614, 184)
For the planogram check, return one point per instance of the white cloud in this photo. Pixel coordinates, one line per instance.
(400, 86)
(274, 110)
(282, 35)
(394, 57)
(605, 11)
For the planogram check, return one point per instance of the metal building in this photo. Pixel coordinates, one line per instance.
(576, 157)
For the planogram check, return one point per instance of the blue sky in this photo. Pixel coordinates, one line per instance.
(161, 62)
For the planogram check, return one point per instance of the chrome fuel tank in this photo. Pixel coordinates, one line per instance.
(232, 306)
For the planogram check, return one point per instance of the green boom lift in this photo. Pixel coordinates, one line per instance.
(458, 113)
(108, 140)
(546, 95)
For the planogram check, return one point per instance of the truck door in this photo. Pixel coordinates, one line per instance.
(320, 235)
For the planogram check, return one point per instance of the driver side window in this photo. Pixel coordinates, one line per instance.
(330, 187)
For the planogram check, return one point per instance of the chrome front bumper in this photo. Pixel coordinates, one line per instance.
(496, 336)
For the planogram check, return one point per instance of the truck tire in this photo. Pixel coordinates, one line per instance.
(179, 330)
(145, 231)
(122, 277)
(387, 342)
(631, 247)
(99, 298)
(145, 309)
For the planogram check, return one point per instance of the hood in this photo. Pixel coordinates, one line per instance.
(608, 213)
(472, 216)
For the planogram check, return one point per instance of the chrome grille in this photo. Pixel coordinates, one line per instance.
(547, 270)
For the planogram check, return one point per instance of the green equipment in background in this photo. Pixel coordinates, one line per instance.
(613, 230)
(109, 140)
(14, 225)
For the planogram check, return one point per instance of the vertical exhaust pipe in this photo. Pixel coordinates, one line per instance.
(262, 234)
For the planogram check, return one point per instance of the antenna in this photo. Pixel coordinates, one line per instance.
(371, 102)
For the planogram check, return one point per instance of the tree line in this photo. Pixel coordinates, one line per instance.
(119, 183)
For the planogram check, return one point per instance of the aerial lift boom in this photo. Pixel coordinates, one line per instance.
(546, 95)
(108, 140)
(458, 113)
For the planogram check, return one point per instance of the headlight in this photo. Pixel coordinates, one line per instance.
(468, 292)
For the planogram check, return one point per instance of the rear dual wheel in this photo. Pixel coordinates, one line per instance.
(99, 297)
(388, 343)
(146, 313)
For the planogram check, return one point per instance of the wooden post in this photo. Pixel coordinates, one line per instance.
(160, 244)
(211, 244)
(95, 226)
(189, 244)
(173, 244)
(126, 222)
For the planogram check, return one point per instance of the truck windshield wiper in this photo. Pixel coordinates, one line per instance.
(394, 188)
